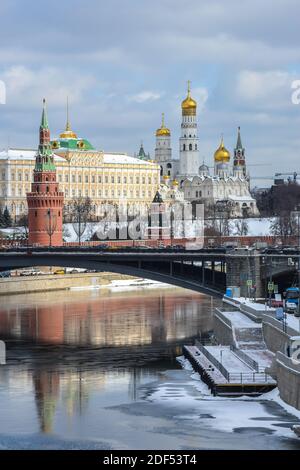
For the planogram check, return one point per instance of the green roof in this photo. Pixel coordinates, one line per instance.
(72, 144)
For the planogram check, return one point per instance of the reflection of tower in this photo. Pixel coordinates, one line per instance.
(158, 327)
(46, 384)
(188, 143)
(45, 201)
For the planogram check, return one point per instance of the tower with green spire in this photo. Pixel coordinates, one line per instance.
(239, 162)
(45, 200)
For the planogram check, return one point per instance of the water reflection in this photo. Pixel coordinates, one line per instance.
(105, 320)
(65, 347)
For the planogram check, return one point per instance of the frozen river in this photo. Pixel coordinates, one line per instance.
(98, 370)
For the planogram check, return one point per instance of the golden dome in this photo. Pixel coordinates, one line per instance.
(68, 133)
(175, 182)
(222, 154)
(189, 105)
(163, 130)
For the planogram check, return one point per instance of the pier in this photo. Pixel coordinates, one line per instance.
(229, 372)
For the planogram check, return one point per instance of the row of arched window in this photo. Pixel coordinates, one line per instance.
(190, 147)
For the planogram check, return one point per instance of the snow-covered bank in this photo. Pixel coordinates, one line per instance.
(119, 285)
(232, 413)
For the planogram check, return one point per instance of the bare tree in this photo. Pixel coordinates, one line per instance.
(284, 226)
(241, 227)
(79, 212)
(50, 224)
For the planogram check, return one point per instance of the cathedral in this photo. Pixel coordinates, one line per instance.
(226, 189)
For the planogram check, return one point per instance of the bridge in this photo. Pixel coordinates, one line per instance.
(204, 271)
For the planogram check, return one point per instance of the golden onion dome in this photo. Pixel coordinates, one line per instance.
(175, 182)
(189, 105)
(163, 130)
(68, 133)
(222, 154)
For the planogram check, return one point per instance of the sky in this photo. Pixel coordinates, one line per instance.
(124, 62)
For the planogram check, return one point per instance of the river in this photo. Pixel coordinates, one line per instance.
(99, 370)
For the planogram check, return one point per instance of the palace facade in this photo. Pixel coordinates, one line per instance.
(82, 171)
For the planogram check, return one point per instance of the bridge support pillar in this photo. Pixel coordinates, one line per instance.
(242, 267)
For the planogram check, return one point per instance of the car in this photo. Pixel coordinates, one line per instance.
(59, 271)
(5, 274)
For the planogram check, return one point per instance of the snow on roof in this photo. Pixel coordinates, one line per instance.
(123, 158)
(29, 154)
(241, 198)
(24, 154)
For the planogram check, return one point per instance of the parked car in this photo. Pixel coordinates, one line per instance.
(59, 271)
(5, 274)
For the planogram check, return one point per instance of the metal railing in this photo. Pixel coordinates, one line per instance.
(234, 377)
(248, 360)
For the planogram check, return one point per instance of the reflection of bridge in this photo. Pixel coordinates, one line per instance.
(206, 271)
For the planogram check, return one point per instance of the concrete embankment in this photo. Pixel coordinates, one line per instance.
(21, 285)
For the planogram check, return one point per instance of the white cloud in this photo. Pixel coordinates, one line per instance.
(27, 86)
(144, 96)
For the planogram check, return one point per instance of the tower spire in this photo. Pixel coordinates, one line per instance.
(189, 88)
(162, 120)
(68, 126)
(239, 140)
(44, 121)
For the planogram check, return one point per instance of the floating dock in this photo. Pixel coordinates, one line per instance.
(228, 371)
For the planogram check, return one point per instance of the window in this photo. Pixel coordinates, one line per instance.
(195, 146)
(112, 179)
(106, 179)
(99, 192)
(119, 179)
(86, 178)
(59, 178)
(73, 192)
(190, 147)
(20, 176)
(73, 178)
(124, 180)
(93, 178)
(26, 177)
(79, 179)
(169, 165)
(66, 192)
(12, 176)
(144, 180)
(131, 179)
(66, 178)
(137, 180)
(99, 179)
(183, 148)
(86, 192)
(149, 179)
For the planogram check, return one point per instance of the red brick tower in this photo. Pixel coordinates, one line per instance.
(45, 201)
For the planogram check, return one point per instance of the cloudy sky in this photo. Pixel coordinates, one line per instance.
(124, 62)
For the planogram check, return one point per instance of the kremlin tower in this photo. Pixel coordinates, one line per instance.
(239, 162)
(45, 201)
(163, 151)
(188, 142)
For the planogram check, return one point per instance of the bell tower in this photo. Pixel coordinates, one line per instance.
(45, 201)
